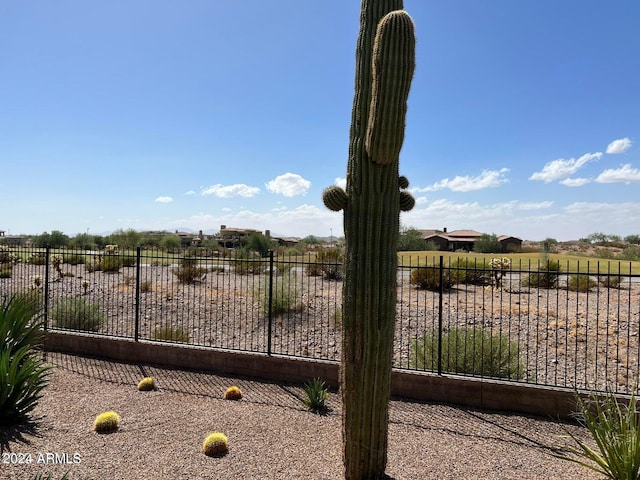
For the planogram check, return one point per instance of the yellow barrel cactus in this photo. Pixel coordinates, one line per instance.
(233, 393)
(147, 384)
(106, 422)
(215, 445)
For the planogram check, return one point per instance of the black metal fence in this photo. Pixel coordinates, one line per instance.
(531, 322)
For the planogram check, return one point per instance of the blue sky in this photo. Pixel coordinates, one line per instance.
(524, 116)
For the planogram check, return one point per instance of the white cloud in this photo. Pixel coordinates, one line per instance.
(289, 185)
(574, 182)
(190, 192)
(228, 191)
(534, 205)
(341, 182)
(624, 174)
(620, 145)
(421, 200)
(562, 168)
(487, 179)
(163, 200)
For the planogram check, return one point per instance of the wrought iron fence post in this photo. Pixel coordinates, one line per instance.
(136, 333)
(440, 295)
(47, 254)
(269, 314)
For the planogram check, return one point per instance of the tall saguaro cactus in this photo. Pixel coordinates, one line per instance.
(374, 196)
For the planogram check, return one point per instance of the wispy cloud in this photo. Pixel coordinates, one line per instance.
(163, 200)
(289, 185)
(341, 182)
(620, 145)
(229, 191)
(563, 168)
(487, 179)
(624, 174)
(190, 192)
(574, 182)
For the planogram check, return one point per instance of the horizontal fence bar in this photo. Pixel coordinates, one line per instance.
(538, 322)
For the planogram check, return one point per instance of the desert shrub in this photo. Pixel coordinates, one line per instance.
(467, 271)
(428, 278)
(171, 334)
(189, 271)
(77, 314)
(328, 263)
(581, 283)
(286, 296)
(471, 351)
(37, 259)
(615, 429)
(128, 260)
(246, 264)
(546, 276)
(146, 286)
(73, 259)
(215, 445)
(23, 372)
(111, 264)
(315, 395)
(106, 422)
(610, 281)
(6, 270)
(630, 253)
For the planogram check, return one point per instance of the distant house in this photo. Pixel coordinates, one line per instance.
(233, 237)
(465, 240)
(13, 240)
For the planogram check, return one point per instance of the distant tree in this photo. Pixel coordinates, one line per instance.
(410, 239)
(549, 244)
(487, 244)
(54, 239)
(83, 241)
(170, 243)
(125, 238)
(597, 237)
(257, 242)
(311, 240)
(633, 239)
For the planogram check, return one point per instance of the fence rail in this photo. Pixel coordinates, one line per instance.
(536, 323)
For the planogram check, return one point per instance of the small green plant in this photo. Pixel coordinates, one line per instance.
(107, 422)
(611, 281)
(428, 278)
(37, 259)
(233, 393)
(615, 429)
(215, 445)
(171, 334)
(471, 351)
(78, 314)
(111, 264)
(73, 259)
(147, 384)
(468, 271)
(189, 271)
(6, 270)
(286, 296)
(546, 276)
(23, 372)
(246, 263)
(581, 283)
(315, 395)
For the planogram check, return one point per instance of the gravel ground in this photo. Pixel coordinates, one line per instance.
(271, 434)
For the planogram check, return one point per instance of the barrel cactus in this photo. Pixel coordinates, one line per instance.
(147, 384)
(107, 422)
(215, 445)
(233, 393)
(375, 194)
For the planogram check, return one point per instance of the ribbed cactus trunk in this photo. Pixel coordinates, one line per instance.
(385, 59)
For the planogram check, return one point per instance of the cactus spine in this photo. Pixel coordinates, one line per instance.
(385, 61)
